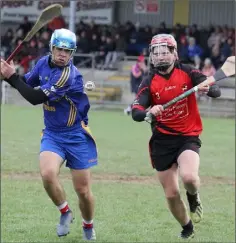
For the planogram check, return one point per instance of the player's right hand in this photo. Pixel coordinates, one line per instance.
(204, 89)
(7, 70)
(156, 110)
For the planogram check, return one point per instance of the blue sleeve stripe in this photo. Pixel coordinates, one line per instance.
(64, 77)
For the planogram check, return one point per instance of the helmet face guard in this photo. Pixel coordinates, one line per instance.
(163, 52)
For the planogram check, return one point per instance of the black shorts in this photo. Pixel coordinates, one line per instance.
(165, 149)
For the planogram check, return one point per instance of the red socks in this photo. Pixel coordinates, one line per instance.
(64, 207)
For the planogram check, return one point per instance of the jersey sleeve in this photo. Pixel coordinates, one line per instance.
(197, 77)
(143, 97)
(58, 84)
(32, 77)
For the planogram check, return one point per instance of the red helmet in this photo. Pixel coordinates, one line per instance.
(163, 39)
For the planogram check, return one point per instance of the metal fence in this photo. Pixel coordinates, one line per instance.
(113, 89)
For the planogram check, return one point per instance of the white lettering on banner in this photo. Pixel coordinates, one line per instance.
(146, 6)
(80, 5)
(100, 13)
(100, 16)
(15, 4)
(177, 111)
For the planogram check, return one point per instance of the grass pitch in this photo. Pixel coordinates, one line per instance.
(130, 204)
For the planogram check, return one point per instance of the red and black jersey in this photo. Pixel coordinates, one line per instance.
(156, 89)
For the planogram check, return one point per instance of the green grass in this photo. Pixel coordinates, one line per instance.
(125, 211)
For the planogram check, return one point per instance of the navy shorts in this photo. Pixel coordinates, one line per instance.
(77, 148)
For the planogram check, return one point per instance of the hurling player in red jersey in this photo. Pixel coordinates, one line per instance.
(174, 145)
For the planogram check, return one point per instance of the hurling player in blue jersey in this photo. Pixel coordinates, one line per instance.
(57, 84)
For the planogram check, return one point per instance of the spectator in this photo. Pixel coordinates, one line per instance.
(193, 49)
(25, 26)
(18, 36)
(212, 42)
(147, 34)
(136, 34)
(196, 33)
(226, 50)
(94, 44)
(208, 68)
(119, 45)
(178, 32)
(183, 50)
(138, 71)
(91, 29)
(80, 27)
(41, 49)
(129, 28)
(109, 49)
(231, 33)
(32, 54)
(163, 28)
(187, 33)
(19, 68)
(154, 31)
(204, 35)
(135, 41)
(197, 62)
(214, 38)
(57, 23)
(7, 38)
(225, 31)
(216, 57)
(100, 58)
(83, 43)
(45, 39)
(7, 41)
(233, 50)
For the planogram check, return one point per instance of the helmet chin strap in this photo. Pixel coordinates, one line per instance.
(164, 67)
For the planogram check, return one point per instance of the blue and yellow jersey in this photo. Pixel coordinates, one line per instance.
(67, 105)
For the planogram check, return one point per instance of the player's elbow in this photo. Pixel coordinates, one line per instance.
(214, 91)
(35, 103)
(138, 115)
(35, 100)
(134, 115)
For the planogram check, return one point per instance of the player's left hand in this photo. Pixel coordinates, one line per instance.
(204, 90)
(156, 110)
(7, 70)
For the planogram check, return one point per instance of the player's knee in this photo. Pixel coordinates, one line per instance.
(189, 178)
(82, 191)
(172, 194)
(48, 175)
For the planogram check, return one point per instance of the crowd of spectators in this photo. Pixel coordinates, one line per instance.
(205, 48)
